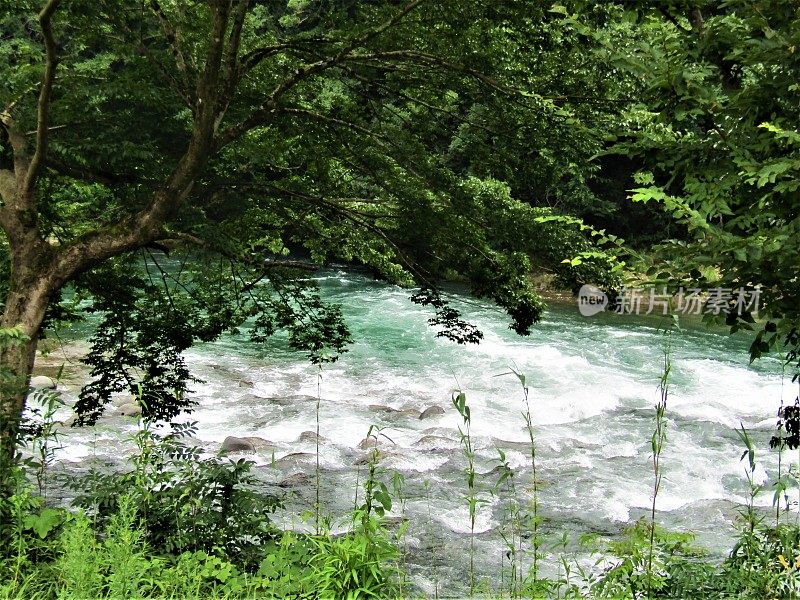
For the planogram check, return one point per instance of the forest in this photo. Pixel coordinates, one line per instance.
(399, 299)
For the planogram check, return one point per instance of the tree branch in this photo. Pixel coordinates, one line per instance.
(234, 43)
(83, 173)
(277, 263)
(253, 58)
(698, 23)
(267, 108)
(333, 121)
(140, 229)
(172, 82)
(432, 60)
(671, 18)
(174, 41)
(419, 102)
(43, 108)
(207, 84)
(182, 91)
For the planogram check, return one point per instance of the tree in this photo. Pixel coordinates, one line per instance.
(716, 131)
(237, 132)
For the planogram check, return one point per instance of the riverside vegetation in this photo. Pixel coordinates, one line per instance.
(174, 525)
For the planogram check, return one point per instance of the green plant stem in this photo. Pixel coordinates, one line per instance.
(316, 469)
(535, 541)
(460, 402)
(427, 486)
(658, 440)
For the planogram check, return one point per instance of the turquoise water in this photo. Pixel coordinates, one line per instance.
(593, 382)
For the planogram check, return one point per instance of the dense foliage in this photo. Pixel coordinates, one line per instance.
(244, 141)
(714, 129)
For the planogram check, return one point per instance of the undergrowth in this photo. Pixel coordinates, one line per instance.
(176, 526)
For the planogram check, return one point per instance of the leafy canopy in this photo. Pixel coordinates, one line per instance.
(249, 141)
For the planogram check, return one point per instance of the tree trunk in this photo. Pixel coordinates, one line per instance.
(17, 362)
(25, 307)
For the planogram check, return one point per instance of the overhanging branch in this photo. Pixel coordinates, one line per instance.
(43, 107)
(173, 38)
(267, 108)
(176, 237)
(430, 60)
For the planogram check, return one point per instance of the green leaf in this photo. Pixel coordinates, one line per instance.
(43, 523)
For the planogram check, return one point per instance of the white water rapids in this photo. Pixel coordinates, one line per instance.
(593, 385)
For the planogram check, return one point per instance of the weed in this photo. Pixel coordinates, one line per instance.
(657, 445)
(460, 402)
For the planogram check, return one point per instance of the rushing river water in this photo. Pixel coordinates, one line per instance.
(593, 384)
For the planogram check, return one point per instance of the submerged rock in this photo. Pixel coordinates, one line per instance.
(376, 455)
(249, 398)
(525, 447)
(298, 455)
(42, 382)
(368, 442)
(236, 444)
(259, 443)
(294, 460)
(435, 443)
(295, 480)
(496, 471)
(382, 408)
(410, 412)
(431, 411)
(130, 410)
(441, 431)
(309, 436)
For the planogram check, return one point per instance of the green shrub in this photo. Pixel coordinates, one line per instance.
(79, 569)
(282, 571)
(360, 564)
(765, 562)
(628, 576)
(186, 504)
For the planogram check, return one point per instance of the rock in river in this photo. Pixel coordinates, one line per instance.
(310, 436)
(130, 410)
(41, 382)
(431, 411)
(368, 442)
(123, 399)
(236, 444)
(259, 443)
(295, 480)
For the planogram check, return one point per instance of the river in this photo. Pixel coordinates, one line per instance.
(593, 383)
